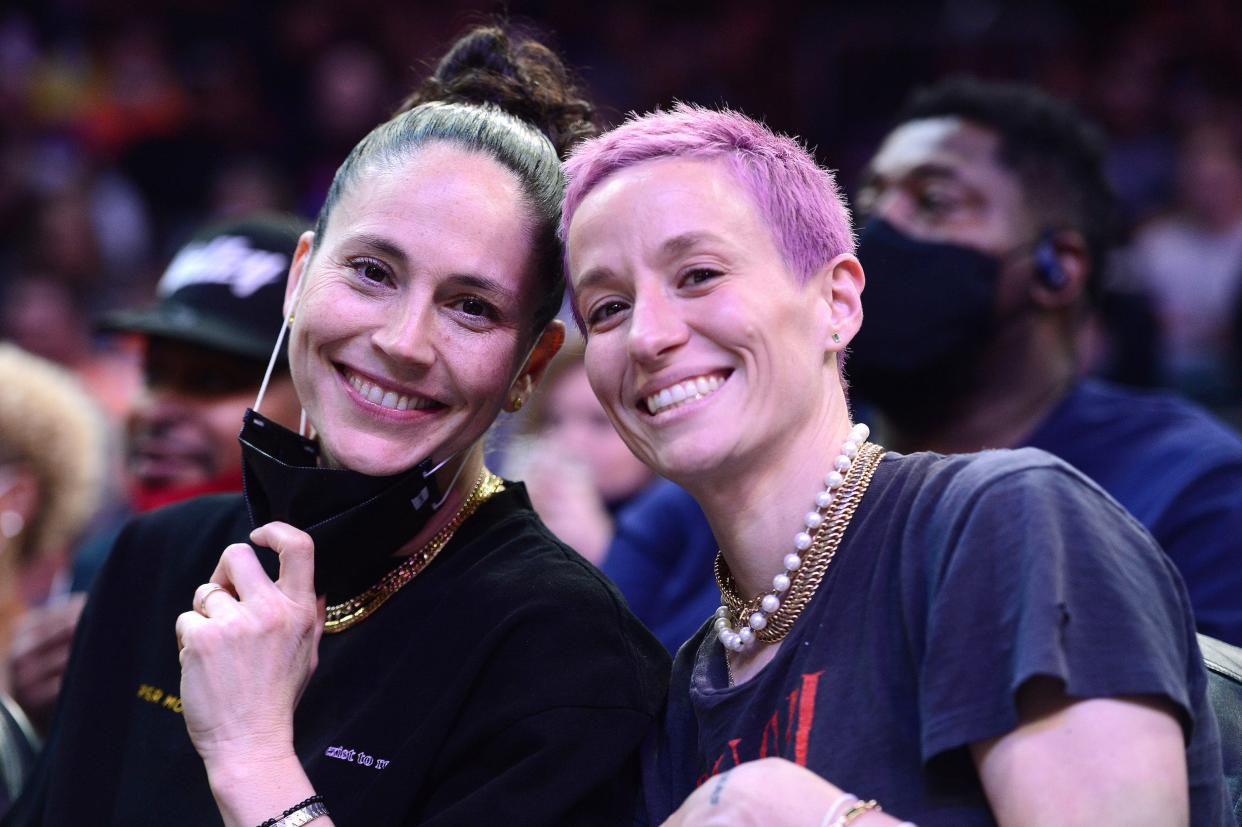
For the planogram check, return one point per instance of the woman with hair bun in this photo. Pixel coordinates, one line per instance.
(406, 643)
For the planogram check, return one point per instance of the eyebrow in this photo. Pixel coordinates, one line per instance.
(681, 244)
(484, 284)
(929, 169)
(379, 244)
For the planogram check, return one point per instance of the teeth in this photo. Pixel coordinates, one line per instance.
(686, 391)
(386, 398)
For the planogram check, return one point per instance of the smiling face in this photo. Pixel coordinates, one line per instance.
(414, 315)
(703, 348)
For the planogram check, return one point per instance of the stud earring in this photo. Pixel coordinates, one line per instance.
(836, 337)
(516, 403)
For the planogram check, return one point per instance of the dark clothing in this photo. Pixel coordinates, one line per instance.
(959, 580)
(661, 559)
(506, 682)
(1175, 468)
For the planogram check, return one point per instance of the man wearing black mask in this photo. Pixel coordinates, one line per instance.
(989, 220)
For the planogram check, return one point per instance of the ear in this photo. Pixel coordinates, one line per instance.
(548, 346)
(297, 269)
(839, 285)
(22, 495)
(1074, 263)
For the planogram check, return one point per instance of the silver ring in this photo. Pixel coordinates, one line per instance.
(204, 591)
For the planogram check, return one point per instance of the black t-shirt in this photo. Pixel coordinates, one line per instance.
(959, 579)
(506, 683)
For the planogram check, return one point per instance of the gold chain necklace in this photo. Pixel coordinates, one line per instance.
(805, 580)
(341, 616)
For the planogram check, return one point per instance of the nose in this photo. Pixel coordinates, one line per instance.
(656, 326)
(407, 333)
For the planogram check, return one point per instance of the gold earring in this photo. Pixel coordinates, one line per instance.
(516, 403)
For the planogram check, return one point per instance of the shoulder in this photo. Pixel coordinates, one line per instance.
(520, 571)
(958, 481)
(539, 613)
(1015, 504)
(184, 536)
(1158, 422)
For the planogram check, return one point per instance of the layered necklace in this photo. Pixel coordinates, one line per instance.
(341, 616)
(769, 616)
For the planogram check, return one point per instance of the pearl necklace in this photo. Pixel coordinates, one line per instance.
(735, 630)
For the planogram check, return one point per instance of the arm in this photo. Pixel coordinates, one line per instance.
(771, 792)
(1098, 762)
(244, 664)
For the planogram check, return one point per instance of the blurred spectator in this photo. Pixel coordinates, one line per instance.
(989, 223)
(51, 472)
(208, 340)
(579, 473)
(647, 534)
(1191, 262)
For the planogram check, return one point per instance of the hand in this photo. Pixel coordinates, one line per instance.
(39, 655)
(248, 651)
(567, 501)
(770, 792)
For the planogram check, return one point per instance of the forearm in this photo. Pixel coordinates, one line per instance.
(249, 793)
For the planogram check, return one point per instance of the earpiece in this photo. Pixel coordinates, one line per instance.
(1048, 264)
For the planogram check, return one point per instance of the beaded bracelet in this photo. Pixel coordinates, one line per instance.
(300, 813)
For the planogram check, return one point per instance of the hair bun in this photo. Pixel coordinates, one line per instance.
(518, 75)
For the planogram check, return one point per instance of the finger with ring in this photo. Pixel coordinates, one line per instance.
(205, 591)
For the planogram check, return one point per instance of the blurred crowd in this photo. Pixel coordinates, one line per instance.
(126, 130)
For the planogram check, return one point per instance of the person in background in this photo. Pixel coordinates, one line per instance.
(52, 460)
(1191, 261)
(981, 639)
(207, 339)
(988, 225)
(579, 473)
(647, 534)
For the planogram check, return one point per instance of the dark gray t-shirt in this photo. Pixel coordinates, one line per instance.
(960, 579)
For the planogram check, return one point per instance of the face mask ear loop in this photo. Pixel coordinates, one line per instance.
(280, 340)
(446, 461)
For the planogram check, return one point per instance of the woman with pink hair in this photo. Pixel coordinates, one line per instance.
(956, 640)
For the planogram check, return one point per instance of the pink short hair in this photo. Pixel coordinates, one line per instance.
(800, 201)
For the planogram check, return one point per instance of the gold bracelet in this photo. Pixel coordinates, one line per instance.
(856, 811)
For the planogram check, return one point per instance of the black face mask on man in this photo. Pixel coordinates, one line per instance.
(929, 315)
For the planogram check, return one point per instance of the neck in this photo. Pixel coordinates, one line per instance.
(1028, 371)
(470, 466)
(757, 508)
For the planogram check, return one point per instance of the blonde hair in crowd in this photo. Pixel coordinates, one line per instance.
(52, 427)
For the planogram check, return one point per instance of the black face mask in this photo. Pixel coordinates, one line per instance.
(357, 521)
(929, 315)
